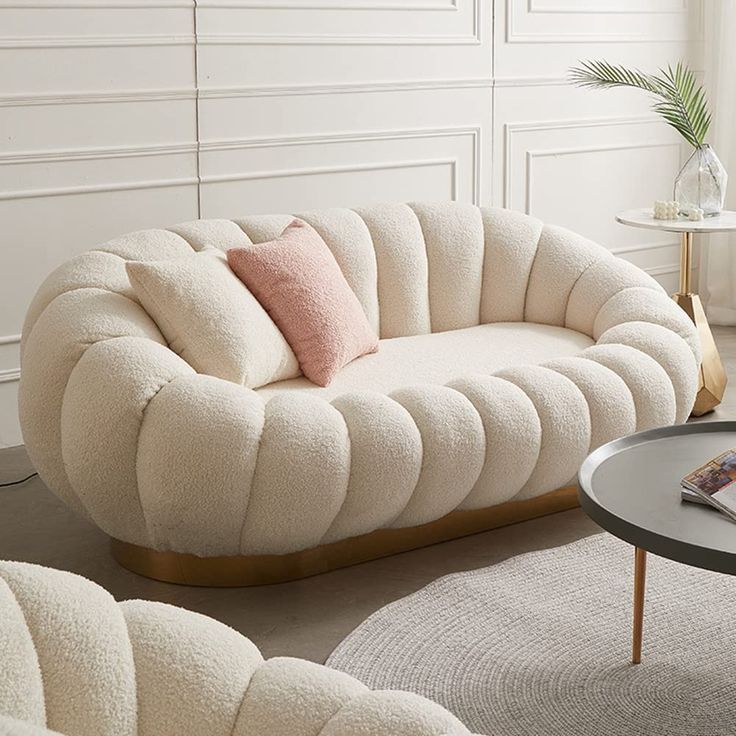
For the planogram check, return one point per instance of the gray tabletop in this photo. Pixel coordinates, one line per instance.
(631, 487)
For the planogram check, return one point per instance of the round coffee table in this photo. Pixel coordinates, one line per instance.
(631, 488)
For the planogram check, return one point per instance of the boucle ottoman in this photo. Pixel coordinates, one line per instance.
(78, 663)
(509, 350)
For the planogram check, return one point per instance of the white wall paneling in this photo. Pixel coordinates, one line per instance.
(117, 115)
(9, 375)
(311, 103)
(638, 32)
(573, 156)
(342, 170)
(97, 137)
(596, 158)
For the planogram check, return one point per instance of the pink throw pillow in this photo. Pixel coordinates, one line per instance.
(298, 282)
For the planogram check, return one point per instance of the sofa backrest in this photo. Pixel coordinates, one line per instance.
(430, 267)
(415, 268)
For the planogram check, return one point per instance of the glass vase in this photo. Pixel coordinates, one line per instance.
(702, 182)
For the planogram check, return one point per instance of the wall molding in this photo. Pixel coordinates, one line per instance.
(94, 4)
(573, 150)
(342, 89)
(339, 5)
(354, 137)
(9, 374)
(513, 36)
(211, 39)
(340, 39)
(91, 154)
(664, 270)
(186, 93)
(510, 130)
(574, 38)
(604, 122)
(317, 170)
(99, 97)
(625, 249)
(320, 170)
(105, 41)
(227, 144)
(601, 9)
(99, 188)
(71, 155)
(531, 82)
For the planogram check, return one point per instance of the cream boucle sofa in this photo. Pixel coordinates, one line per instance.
(509, 349)
(75, 661)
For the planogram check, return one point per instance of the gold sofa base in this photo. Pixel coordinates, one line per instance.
(241, 570)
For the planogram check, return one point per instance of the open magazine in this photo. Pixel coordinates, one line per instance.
(714, 483)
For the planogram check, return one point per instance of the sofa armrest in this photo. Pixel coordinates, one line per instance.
(638, 304)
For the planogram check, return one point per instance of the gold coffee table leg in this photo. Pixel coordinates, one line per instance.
(712, 377)
(640, 577)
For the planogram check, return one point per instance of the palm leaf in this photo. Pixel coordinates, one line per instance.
(679, 99)
(602, 74)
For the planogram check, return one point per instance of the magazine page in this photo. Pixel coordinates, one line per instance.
(716, 481)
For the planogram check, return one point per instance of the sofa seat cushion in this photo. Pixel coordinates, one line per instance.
(440, 357)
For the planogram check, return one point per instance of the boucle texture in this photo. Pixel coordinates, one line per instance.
(80, 648)
(565, 420)
(453, 238)
(453, 451)
(349, 241)
(211, 319)
(465, 405)
(510, 421)
(14, 727)
(401, 259)
(77, 663)
(300, 283)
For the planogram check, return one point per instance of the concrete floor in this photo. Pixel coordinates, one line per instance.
(307, 618)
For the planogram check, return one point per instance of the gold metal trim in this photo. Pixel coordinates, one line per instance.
(712, 378)
(686, 260)
(187, 569)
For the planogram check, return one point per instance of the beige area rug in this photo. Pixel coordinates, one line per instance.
(540, 645)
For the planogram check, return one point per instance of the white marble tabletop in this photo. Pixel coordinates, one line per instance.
(725, 222)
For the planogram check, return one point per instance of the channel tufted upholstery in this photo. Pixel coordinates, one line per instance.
(556, 347)
(78, 663)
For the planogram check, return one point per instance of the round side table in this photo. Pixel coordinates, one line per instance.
(712, 381)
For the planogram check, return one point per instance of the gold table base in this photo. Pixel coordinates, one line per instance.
(712, 377)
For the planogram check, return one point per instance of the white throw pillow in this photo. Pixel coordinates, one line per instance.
(211, 319)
